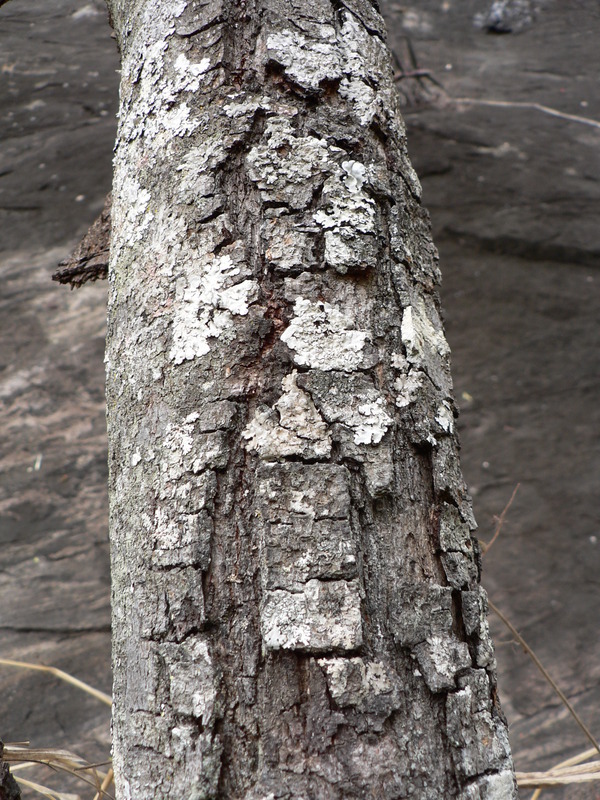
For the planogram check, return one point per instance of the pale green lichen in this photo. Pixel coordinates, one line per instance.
(206, 303)
(320, 336)
(419, 335)
(322, 617)
(292, 427)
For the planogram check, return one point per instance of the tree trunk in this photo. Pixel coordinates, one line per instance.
(297, 611)
(9, 788)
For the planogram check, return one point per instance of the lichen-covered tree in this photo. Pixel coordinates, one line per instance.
(297, 611)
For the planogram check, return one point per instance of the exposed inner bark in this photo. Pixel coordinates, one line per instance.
(297, 610)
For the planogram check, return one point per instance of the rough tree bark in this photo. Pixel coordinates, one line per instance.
(297, 611)
(9, 788)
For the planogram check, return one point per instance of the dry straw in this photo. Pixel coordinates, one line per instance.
(21, 757)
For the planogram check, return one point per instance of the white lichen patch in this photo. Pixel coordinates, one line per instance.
(352, 56)
(242, 106)
(398, 361)
(159, 230)
(498, 786)
(134, 201)
(206, 303)
(185, 449)
(362, 50)
(284, 165)
(238, 298)
(351, 681)
(362, 96)
(178, 538)
(179, 438)
(307, 62)
(177, 120)
(444, 417)
(355, 402)
(321, 337)
(198, 168)
(420, 337)
(167, 532)
(160, 104)
(324, 616)
(348, 218)
(292, 427)
(408, 387)
(297, 411)
(355, 175)
(189, 74)
(366, 81)
(441, 657)
(370, 422)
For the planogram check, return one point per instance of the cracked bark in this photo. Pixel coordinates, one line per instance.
(9, 788)
(296, 606)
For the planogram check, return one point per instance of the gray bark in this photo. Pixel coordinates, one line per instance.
(297, 611)
(9, 788)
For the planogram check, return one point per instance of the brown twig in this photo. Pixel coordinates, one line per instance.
(544, 672)
(499, 522)
(91, 269)
(553, 112)
(415, 70)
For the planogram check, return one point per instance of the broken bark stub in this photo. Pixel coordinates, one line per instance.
(89, 261)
